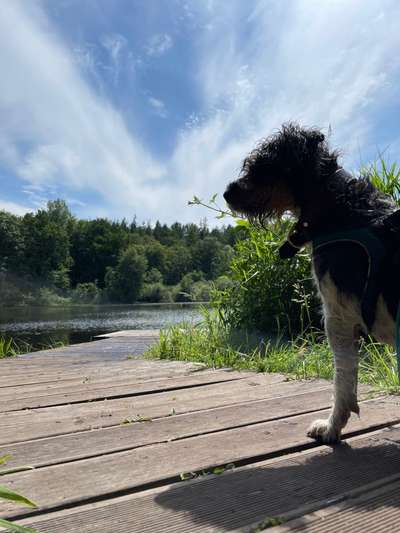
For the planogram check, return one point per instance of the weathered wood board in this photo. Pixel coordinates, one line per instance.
(108, 437)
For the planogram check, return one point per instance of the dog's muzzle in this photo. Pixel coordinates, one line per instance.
(233, 194)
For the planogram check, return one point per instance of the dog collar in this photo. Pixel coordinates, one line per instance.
(297, 238)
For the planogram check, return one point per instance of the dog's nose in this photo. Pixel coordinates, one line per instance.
(231, 191)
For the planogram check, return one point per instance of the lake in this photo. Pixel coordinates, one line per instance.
(42, 326)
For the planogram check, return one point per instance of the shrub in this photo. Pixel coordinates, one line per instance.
(267, 292)
(201, 291)
(155, 292)
(124, 282)
(153, 276)
(186, 286)
(86, 293)
(46, 296)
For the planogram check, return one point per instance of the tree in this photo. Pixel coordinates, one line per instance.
(178, 263)
(11, 242)
(96, 246)
(46, 237)
(124, 282)
(205, 255)
(156, 256)
(221, 261)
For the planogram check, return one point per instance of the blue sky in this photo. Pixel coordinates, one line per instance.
(130, 107)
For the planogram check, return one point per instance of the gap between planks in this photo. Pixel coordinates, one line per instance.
(240, 499)
(86, 444)
(85, 392)
(108, 476)
(92, 415)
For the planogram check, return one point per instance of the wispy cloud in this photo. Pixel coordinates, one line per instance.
(158, 107)
(114, 43)
(12, 207)
(253, 66)
(330, 64)
(159, 44)
(57, 132)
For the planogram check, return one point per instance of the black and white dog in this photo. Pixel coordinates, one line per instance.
(294, 170)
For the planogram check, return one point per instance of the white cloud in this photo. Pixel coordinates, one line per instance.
(258, 64)
(322, 64)
(114, 43)
(56, 131)
(159, 44)
(12, 207)
(158, 107)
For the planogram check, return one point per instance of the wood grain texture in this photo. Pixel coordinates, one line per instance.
(85, 444)
(30, 424)
(248, 495)
(122, 471)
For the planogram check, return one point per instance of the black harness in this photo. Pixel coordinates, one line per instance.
(374, 248)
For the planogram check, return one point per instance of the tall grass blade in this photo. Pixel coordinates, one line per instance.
(15, 527)
(7, 494)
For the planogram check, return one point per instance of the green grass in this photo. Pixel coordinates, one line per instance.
(13, 348)
(9, 495)
(308, 356)
(9, 348)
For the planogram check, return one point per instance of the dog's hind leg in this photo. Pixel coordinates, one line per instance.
(341, 322)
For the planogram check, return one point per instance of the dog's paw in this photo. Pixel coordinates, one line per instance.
(323, 431)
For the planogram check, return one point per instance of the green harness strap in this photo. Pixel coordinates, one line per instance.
(375, 252)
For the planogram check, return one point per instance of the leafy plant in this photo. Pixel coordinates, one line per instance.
(12, 348)
(385, 177)
(7, 494)
(216, 471)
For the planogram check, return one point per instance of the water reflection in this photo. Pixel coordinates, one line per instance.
(44, 325)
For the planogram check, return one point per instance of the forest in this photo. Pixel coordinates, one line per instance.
(50, 257)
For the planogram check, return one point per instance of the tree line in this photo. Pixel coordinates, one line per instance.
(52, 257)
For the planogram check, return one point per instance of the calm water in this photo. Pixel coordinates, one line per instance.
(41, 326)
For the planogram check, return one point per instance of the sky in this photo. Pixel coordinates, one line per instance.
(131, 107)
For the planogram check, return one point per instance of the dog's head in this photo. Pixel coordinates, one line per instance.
(275, 175)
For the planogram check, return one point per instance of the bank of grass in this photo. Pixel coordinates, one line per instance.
(307, 356)
(12, 348)
(9, 348)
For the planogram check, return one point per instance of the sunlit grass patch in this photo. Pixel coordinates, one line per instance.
(307, 356)
(8, 348)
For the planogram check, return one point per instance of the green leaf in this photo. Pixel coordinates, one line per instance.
(185, 476)
(7, 494)
(242, 222)
(212, 199)
(4, 459)
(14, 527)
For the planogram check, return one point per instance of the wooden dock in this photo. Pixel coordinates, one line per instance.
(111, 436)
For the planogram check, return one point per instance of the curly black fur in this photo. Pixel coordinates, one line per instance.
(295, 170)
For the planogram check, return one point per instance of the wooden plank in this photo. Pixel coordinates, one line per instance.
(128, 333)
(244, 496)
(104, 349)
(61, 376)
(9, 404)
(368, 509)
(25, 374)
(102, 476)
(88, 387)
(114, 376)
(31, 424)
(43, 452)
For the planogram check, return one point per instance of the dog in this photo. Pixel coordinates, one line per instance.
(295, 171)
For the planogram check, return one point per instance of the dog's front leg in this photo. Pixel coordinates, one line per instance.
(343, 339)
